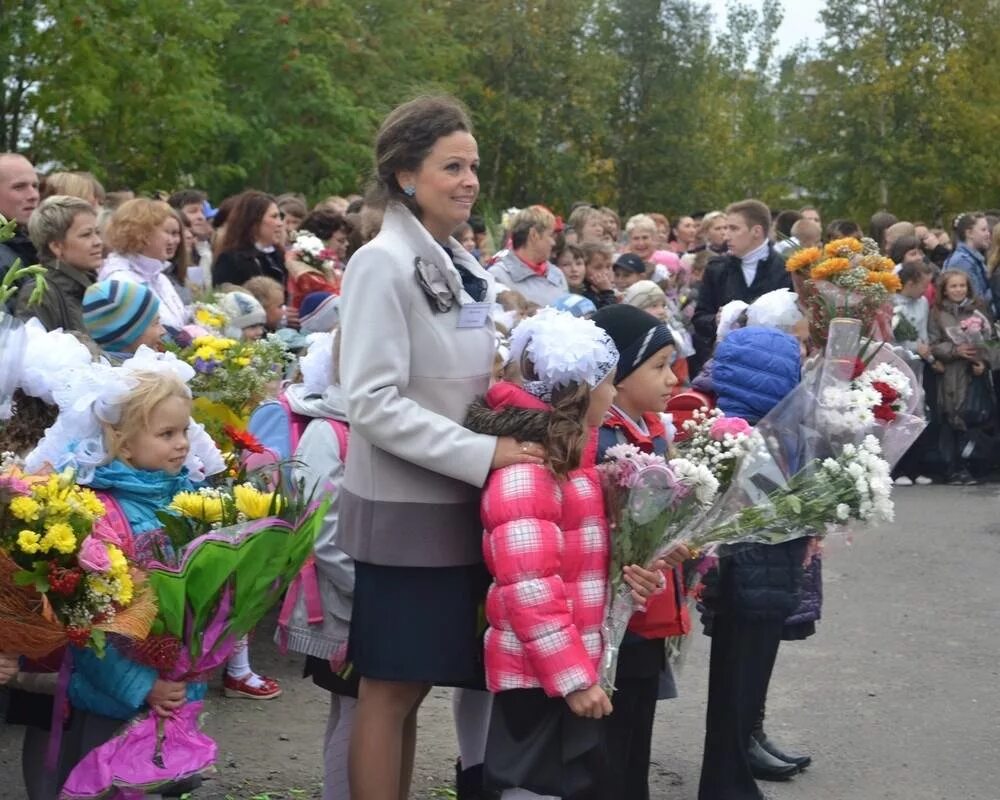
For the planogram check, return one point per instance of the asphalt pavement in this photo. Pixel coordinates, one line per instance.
(897, 696)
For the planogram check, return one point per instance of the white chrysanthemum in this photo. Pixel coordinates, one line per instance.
(843, 512)
(309, 243)
(696, 476)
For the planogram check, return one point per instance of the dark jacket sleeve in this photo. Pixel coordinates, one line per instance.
(232, 267)
(708, 301)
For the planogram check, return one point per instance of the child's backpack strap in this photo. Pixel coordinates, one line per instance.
(343, 434)
(297, 424)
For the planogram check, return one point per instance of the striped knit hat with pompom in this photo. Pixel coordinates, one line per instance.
(117, 313)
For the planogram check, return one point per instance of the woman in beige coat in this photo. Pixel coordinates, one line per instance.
(417, 348)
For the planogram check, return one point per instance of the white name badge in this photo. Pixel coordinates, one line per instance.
(474, 315)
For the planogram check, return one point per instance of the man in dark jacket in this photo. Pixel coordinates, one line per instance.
(751, 269)
(18, 198)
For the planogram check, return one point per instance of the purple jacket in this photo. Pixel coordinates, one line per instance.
(810, 595)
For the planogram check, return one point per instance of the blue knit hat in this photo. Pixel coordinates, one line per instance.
(575, 304)
(117, 313)
(319, 312)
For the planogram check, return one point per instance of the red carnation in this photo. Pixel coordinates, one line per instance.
(244, 440)
(884, 413)
(889, 395)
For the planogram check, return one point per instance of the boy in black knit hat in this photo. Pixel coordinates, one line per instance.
(643, 380)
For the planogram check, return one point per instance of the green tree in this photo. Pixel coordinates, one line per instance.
(895, 112)
(537, 85)
(126, 88)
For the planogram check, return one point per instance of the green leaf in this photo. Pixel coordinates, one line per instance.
(794, 504)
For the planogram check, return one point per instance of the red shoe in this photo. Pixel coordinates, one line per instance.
(241, 687)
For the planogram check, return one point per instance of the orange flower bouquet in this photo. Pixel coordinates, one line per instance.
(846, 278)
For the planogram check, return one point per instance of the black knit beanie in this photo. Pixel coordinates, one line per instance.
(637, 335)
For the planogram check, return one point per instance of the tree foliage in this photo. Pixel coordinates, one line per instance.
(640, 104)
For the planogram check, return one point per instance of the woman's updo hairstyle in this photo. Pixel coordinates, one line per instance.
(405, 138)
(965, 223)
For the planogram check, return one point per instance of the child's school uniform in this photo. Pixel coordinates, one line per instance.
(315, 619)
(106, 692)
(644, 675)
(546, 545)
(955, 385)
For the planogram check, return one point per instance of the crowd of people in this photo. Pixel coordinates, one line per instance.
(483, 373)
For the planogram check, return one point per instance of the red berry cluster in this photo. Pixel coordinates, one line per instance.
(78, 636)
(62, 581)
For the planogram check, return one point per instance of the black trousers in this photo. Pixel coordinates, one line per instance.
(743, 654)
(630, 736)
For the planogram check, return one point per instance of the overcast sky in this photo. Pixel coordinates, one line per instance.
(801, 20)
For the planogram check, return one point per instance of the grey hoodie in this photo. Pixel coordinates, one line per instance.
(321, 465)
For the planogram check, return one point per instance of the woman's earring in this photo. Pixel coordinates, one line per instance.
(409, 191)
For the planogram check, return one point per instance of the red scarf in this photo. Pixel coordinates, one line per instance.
(541, 269)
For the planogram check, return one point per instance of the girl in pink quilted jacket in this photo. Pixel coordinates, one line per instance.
(546, 546)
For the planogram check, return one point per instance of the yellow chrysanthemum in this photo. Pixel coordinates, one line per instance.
(119, 565)
(242, 361)
(90, 501)
(100, 585)
(830, 267)
(842, 247)
(28, 542)
(26, 509)
(887, 280)
(206, 353)
(252, 502)
(204, 507)
(803, 258)
(60, 537)
(126, 590)
(59, 507)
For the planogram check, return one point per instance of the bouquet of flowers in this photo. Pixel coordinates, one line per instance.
(310, 250)
(210, 317)
(845, 279)
(716, 441)
(224, 559)
(975, 330)
(823, 456)
(647, 498)
(66, 577)
(232, 378)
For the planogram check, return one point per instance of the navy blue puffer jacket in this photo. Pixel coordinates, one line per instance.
(754, 369)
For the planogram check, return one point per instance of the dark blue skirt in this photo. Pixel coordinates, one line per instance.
(420, 624)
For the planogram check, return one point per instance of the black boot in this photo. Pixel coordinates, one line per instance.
(469, 784)
(798, 759)
(765, 767)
